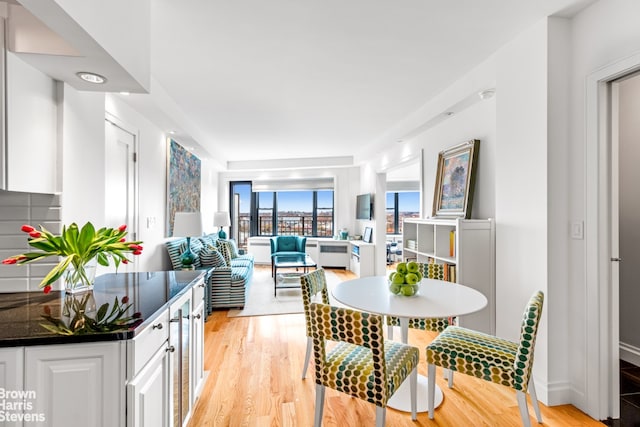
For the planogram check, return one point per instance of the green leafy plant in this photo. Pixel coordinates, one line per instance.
(78, 317)
(77, 246)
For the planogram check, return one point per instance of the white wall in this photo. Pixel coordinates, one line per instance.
(83, 156)
(521, 187)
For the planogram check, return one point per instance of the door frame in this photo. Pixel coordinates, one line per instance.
(602, 295)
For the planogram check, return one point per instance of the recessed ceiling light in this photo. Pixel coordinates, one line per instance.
(91, 77)
(487, 94)
(172, 132)
(125, 93)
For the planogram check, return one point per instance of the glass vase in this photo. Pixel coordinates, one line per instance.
(80, 278)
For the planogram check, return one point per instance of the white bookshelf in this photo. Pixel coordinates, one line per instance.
(473, 257)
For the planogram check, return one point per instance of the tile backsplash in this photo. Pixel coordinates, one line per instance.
(17, 209)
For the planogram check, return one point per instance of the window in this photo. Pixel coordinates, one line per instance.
(401, 205)
(303, 213)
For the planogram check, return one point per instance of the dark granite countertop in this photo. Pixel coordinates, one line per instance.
(23, 314)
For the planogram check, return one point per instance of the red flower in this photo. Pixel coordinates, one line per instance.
(137, 315)
(135, 247)
(27, 228)
(122, 228)
(35, 234)
(125, 299)
(46, 289)
(125, 261)
(9, 261)
(137, 252)
(122, 240)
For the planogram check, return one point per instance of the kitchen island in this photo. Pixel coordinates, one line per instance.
(63, 363)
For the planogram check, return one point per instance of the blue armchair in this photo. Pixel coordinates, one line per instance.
(287, 245)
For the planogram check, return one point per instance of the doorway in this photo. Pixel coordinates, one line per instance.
(602, 266)
(120, 179)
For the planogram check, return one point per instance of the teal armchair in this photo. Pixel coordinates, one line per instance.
(287, 245)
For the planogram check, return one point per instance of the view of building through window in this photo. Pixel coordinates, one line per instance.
(401, 205)
(305, 213)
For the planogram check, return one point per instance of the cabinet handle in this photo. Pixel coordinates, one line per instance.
(202, 285)
(158, 326)
(197, 316)
(171, 349)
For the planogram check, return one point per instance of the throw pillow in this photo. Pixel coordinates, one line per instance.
(211, 257)
(233, 247)
(223, 247)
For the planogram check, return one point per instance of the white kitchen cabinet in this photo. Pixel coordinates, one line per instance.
(30, 152)
(77, 384)
(467, 249)
(148, 393)
(11, 380)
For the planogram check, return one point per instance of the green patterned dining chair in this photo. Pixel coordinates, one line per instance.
(490, 358)
(428, 271)
(361, 364)
(314, 286)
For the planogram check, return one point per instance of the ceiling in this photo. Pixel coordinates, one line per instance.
(280, 79)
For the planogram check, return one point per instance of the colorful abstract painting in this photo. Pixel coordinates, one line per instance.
(183, 182)
(455, 180)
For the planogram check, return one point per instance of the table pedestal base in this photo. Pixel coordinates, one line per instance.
(401, 399)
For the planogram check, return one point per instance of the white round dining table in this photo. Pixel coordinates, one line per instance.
(436, 298)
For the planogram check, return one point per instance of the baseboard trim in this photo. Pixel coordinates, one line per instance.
(629, 353)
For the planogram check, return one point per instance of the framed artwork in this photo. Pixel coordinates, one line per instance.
(368, 231)
(183, 182)
(455, 180)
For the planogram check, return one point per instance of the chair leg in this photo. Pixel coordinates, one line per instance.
(317, 421)
(450, 378)
(413, 386)
(534, 400)
(431, 389)
(381, 415)
(307, 356)
(524, 411)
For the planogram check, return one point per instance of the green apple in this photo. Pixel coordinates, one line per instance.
(398, 278)
(417, 273)
(412, 267)
(394, 288)
(408, 291)
(393, 273)
(402, 268)
(411, 278)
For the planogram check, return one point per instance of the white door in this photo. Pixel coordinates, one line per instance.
(120, 180)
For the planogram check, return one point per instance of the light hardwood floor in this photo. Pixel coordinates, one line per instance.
(255, 366)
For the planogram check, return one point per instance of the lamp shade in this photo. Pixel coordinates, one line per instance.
(221, 219)
(187, 224)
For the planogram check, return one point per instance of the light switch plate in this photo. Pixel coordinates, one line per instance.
(577, 230)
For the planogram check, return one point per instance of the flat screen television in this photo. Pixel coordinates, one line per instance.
(364, 207)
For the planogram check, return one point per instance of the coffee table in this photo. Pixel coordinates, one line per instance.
(436, 298)
(289, 261)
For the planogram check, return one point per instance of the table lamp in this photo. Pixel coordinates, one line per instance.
(221, 219)
(187, 224)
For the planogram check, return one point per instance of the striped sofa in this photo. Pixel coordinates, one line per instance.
(227, 284)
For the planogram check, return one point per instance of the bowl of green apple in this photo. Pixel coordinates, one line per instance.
(405, 281)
